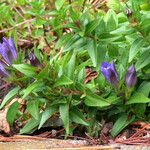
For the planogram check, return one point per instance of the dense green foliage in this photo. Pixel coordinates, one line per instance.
(77, 35)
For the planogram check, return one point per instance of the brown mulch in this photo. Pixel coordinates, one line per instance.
(140, 136)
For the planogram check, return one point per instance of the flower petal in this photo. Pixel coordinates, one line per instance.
(3, 71)
(6, 54)
(11, 46)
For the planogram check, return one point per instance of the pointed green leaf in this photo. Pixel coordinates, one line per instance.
(63, 80)
(92, 51)
(111, 20)
(94, 100)
(64, 114)
(30, 126)
(71, 66)
(47, 114)
(143, 60)
(63, 40)
(120, 124)
(73, 15)
(9, 96)
(59, 4)
(144, 88)
(138, 98)
(30, 88)
(135, 48)
(33, 109)
(26, 69)
(12, 112)
(92, 26)
(71, 42)
(77, 117)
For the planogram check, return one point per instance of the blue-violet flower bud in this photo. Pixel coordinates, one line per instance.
(8, 50)
(33, 60)
(110, 73)
(131, 77)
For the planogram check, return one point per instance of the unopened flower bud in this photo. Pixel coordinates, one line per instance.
(131, 77)
(33, 60)
(128, 12)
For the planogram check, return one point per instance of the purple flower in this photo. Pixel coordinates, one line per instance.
(33, 60)
(110, 73)
(3, 72)
(131, 77)
(8, 50)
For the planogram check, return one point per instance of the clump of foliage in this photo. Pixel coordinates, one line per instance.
(113, 40)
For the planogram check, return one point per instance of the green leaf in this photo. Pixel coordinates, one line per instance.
(33, 109)
(63, 80)
(135, 48)
(101, 54)
(26, 69)
(94, 100)
(30, 88)
(77, 117)
(46, 115)
(111, 20)
(71, 42)
(138, 98)
(64, 114)
(9, 96)
(143, 60)
(120, 124)
(71, 66)
(121, 30)
(92, 51)
(144, 88)
(59, 4)
(30, 126)
(73, 15)
(92, 26)
(63, 40)
(12, 112)
(114, 4)
(139, 110)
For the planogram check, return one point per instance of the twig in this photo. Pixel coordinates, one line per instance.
(18, 12)
(20, 138)
(5, 85)
(138, 132)
(45, 37)
(17, 25)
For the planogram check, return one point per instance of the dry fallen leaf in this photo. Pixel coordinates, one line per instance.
(4, 126)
